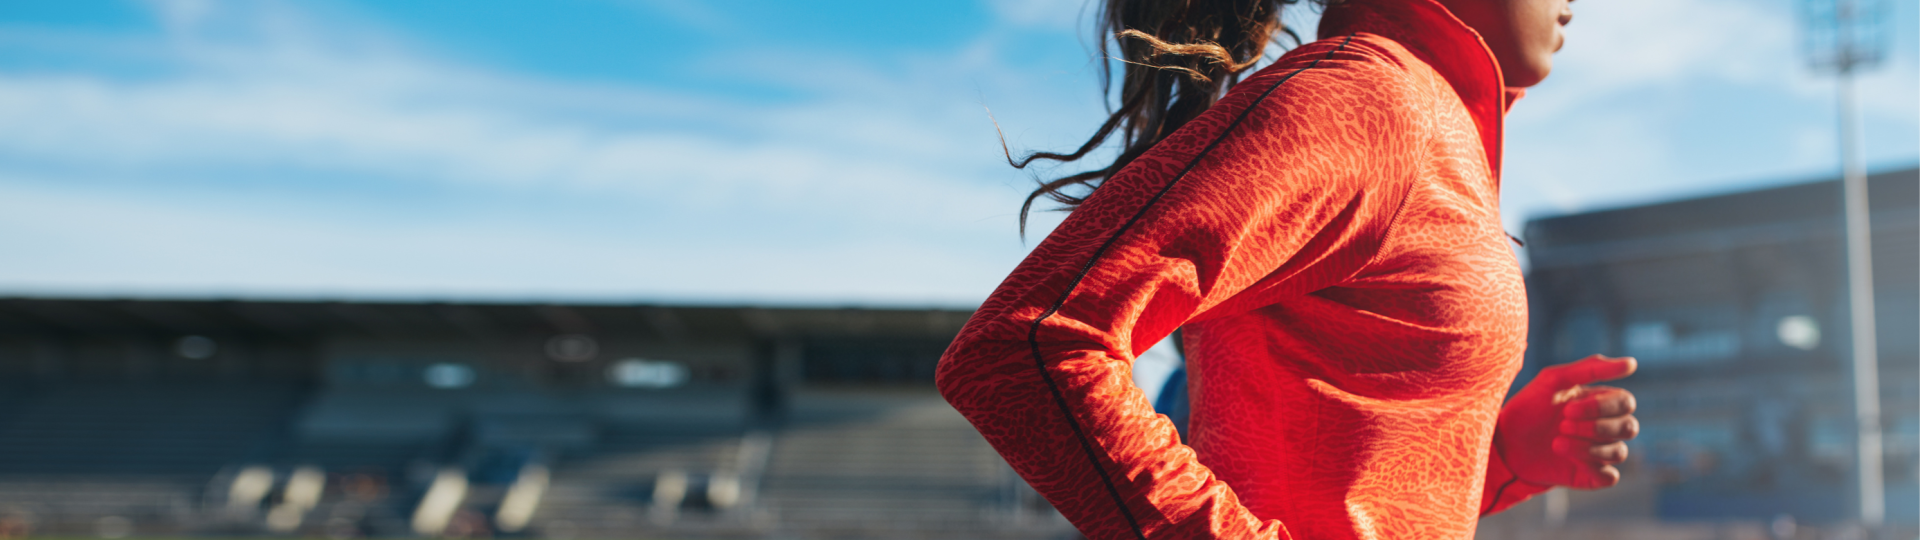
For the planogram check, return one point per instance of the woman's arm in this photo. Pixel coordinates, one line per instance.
(1284, 187)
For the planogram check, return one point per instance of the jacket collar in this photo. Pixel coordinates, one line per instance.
(1453, 49)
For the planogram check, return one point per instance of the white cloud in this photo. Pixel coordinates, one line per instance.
(1629, 43)
(1644, 105)
(879, 161)
(67, 242)
(418, 122)
(1624, 46)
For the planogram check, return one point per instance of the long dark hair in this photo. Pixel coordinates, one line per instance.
(1179, 56)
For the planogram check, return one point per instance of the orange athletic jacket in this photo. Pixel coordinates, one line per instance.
(1328, 234)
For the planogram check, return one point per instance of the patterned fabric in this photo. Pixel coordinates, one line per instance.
(1328, 235)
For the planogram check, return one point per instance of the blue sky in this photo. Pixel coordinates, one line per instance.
(683, 151)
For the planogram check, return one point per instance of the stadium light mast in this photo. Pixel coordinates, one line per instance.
(1842, 38)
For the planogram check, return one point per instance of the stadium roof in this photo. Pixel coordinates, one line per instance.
(1715, 223)
(297, 319)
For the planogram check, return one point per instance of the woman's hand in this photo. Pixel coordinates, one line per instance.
(1560, 431)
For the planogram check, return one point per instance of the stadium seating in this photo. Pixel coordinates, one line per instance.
(612, 488)
(146, 430)
(79, 453)
(322, 419)
(881, 461)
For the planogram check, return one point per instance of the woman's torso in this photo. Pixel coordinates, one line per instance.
(1366, 409)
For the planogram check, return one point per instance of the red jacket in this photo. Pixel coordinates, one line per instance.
(1329, 236)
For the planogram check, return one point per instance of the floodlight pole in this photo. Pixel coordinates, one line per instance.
(1866, 366)
(1854, 47)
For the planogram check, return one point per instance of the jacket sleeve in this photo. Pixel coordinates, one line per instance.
(1261, 198)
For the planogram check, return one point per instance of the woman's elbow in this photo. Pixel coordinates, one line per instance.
(961, 368)
(949, 375)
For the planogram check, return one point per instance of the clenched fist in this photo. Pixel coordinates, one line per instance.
(1563, 431)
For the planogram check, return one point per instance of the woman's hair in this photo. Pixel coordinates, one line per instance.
(1179, 56)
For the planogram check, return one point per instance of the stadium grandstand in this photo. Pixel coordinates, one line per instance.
(357, 419)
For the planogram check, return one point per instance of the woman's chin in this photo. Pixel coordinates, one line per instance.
(1530, 74)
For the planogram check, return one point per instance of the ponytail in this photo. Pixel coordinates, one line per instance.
(1179, 56)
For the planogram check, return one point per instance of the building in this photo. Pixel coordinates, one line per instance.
(1736, 307)
(468, 419)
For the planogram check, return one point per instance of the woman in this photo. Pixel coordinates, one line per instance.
(1325, 232)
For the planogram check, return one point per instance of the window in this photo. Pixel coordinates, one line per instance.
(1683, 335)
(449, 375)
(572, 348)
(1798, 331)
(1784, 323)
(195, 347)
(642, 373)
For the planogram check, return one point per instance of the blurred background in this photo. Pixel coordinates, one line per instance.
(680, 269)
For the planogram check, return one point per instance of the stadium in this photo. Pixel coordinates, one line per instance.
(361, 419)
(152, 417)
(679, 270)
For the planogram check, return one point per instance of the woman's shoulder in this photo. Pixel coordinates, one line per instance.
(1333, 108)
(1359, 69)
(1355, 51)
(1323, 91)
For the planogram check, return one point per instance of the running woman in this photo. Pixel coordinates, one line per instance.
(1325, 231)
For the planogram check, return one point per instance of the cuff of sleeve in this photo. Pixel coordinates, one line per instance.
(1504, 489)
